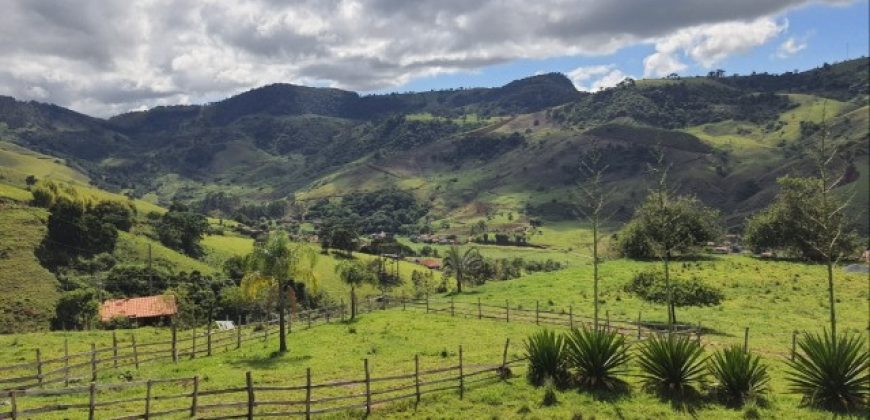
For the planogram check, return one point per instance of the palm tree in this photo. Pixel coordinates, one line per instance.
(354, 273)
(271, 265)
(459, 263)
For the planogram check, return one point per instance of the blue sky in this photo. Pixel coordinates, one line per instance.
(823, 31)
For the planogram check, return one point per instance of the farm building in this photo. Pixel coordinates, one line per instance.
(141, 310)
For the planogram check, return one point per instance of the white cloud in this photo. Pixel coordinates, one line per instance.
(593, 78)
(709, 44)
(790, 47)
(108, 56)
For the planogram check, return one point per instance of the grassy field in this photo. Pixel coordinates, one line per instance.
(772, 298)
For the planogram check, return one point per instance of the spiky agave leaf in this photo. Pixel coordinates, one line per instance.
(739, 374)
(597, 357)
(547, 358)
(671, 363)
(831, 372)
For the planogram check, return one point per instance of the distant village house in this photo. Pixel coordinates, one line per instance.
(148, 310)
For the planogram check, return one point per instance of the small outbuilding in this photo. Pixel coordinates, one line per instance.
(142, 310)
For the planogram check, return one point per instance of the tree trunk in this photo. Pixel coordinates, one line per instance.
(831, 298)
(671, 314)
(282, 310)
(595, 269)
(458, 282)
(352, 302)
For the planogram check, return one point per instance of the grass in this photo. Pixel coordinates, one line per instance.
(28, 291)
(134, 248)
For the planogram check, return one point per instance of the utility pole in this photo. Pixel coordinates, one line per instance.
(150, 273)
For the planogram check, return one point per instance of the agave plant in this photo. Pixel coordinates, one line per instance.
(740, 374)
(671, 363)
(597, 358)
(547, 358)
(831, 372)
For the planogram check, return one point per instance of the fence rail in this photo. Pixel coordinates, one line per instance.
(71, 368)
(165, 397)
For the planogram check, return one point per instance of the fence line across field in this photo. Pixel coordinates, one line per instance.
(253, 401)
(84, 366)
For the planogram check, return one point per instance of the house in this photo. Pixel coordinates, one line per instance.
(142, 310)
(430, 263)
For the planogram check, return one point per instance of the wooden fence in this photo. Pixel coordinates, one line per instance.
(70, 368)
(537, 315)
(295, 397)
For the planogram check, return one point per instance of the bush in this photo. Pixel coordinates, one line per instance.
(597, 358)
(739, 374)
(650, 286)
(831, 372)
(547, 358)
(671, 364)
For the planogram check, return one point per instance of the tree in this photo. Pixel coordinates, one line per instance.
(30, 180)
(671, 224)
(270, 268)
(593, 198)
(354, 273)
(115, 213)
(73, 231)
(78, 307)
(459, 264)
(182, 230)
(808, 217)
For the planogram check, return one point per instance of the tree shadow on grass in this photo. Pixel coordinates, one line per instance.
(688, 400)
(272, 360)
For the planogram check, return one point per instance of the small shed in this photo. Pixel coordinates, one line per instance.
(431, 263)
(142, 310)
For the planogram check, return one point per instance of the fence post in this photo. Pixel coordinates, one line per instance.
(403, 302)
(504, 360)
(507, 310)
(368, 387)
(249, 384)
(135, 351)
(308, 394)
(537, 311)
(793, 344)
(479, 311)
(342, 309)
(461, 376)
(15, 405)
(174, 343)
(309, 318)
(208, 339)
(39, 367)
(194, 396)
(746, 339)
(193, 344)
(571, 316)
(607, 319)
(638, 325)
(92, 400)
(239, 333)
(148, 400)
(290, 322)
(65, 362)
(93, 362)
(699, 333)
(417, 377)
(266, 331)
(427, 303)
(115, 348)
(452, 307)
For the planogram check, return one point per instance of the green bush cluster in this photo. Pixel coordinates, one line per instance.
(650, 286)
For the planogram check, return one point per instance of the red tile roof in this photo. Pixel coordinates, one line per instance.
(431, 263)
(141, 307)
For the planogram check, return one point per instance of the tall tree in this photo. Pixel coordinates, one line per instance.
(667, 224)
(273, 263)
(593, 199)
(354, 273)
(459, 264)
(809, 217)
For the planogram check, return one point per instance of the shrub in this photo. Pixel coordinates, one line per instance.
(650, 286)
(671, 364)
(831, 372)
(547, 358)
(739, 374)
(597, 358)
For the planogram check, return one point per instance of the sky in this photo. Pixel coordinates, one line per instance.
(105, 57)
